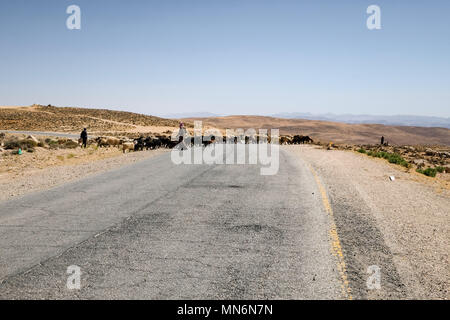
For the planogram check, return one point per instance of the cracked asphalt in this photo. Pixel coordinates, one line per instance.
(155, 230)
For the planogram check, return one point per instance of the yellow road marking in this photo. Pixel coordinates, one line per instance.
(336, 248)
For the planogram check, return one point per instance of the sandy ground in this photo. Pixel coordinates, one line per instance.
(401, 225)
(45, 169)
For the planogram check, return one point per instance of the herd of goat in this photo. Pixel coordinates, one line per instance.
(155, 142)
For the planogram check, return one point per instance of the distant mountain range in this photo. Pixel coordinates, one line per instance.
(189, 115)
(397, 120)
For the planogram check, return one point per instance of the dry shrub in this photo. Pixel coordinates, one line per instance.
(70, 144)
(16, 143)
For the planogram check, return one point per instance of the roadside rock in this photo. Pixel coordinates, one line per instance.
(444, 154)
(419, 162)
(33, 138)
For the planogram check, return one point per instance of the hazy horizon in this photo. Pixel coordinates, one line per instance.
(214, 114)
(269, 114)
(230, 57)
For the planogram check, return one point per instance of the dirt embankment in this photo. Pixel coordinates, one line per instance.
(401, 226)
(336, 132)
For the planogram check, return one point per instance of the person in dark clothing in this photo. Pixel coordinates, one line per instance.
(84, 138)
(382, 140)
(181, 135)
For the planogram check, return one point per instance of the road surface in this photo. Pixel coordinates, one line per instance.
(156, 230)
(41, 133)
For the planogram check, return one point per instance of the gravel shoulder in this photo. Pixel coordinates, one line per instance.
(402, 226)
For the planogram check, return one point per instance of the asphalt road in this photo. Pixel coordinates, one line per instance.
(41, 133)
(155, 230)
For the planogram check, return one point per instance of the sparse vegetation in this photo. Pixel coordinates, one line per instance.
(61, 143)
(427, 160)
(440, 169)
(391, 157)
(24, 144)
(70, 144)
(28, 144)
(12, 144)
(430, 172)
(53, 144)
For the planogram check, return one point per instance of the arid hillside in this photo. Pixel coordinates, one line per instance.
(58, 119)
(336, 132)
(101, 121)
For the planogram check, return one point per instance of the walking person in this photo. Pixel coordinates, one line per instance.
(382, 140)
(84, 138)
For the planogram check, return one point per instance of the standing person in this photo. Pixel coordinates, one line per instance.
(84, 138)
(181, 135)
(382, 140)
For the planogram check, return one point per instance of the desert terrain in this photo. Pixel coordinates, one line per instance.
(423, 150)
(343, 203)
(110, 122)
(73, 120)
(335, 132)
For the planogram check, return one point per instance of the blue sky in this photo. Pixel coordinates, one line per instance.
(228, 57)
